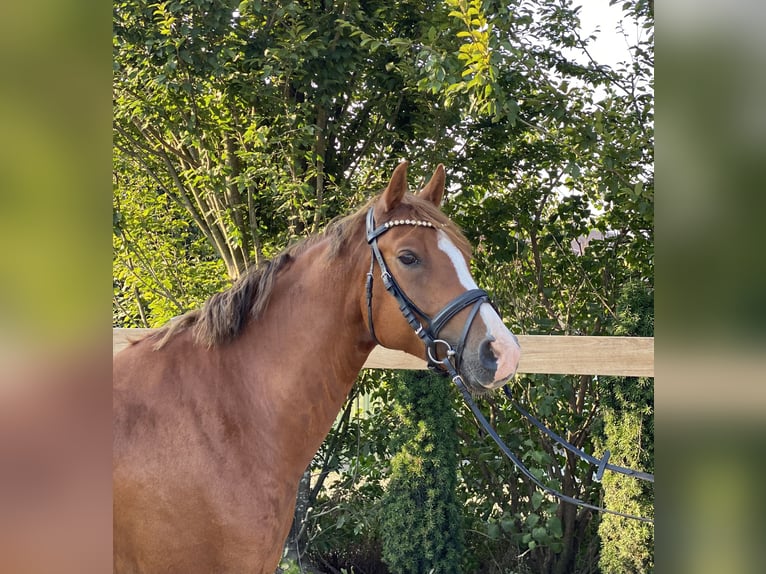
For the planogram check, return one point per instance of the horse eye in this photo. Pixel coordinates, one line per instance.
(407, 258)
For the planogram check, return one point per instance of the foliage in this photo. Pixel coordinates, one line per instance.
(628, 429)
(258, 118)
(421, 527)
(558, 201)
(163, 264)
(241, 126)
(349, 477)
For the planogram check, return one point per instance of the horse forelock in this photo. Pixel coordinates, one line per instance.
(224, 315)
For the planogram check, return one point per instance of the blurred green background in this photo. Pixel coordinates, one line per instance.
(711, 279)
(55, 140)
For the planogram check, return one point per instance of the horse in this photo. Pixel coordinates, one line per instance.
(218, 414)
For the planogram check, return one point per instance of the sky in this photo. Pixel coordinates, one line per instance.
(610, 47)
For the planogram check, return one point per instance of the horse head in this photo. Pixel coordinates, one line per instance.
(427, 302)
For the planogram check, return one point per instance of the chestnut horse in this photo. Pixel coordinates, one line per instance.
(217, 415)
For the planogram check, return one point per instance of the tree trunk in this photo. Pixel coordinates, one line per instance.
(295, 545)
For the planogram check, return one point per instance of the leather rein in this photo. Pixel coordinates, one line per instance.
(428, 330)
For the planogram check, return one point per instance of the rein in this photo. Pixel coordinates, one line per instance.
(602, 463)
(458, 380)
(449, 365)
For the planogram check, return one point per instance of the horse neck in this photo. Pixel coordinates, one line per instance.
(307, 349)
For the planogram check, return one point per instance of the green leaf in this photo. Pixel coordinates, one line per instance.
(532, 520)
(493, 531)
(554, 525)
(539, 533)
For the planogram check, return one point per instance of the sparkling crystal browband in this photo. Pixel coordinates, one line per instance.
(395, 222)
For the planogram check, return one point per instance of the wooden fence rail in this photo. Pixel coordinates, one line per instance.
(563, 355)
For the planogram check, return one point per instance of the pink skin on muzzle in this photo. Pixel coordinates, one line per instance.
(508, 353)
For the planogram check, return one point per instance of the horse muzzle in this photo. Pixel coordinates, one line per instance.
(491, 360)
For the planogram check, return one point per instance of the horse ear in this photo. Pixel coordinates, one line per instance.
(397, 187)
(434, 189)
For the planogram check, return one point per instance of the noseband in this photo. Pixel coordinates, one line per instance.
(425, 327)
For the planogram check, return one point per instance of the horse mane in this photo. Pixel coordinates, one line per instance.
(223, 316)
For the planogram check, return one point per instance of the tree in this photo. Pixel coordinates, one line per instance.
(421, 526)
(628, 429)
(567, 154)
(163, 264)
(257, 119)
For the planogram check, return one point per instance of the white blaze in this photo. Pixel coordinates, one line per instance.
(505, 345)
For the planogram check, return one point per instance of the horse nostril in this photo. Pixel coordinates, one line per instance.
(486, 356)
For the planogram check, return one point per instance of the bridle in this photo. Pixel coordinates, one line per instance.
(428, 330)
(425, 327)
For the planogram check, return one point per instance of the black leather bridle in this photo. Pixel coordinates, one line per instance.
(426, 327)
(428, 330)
